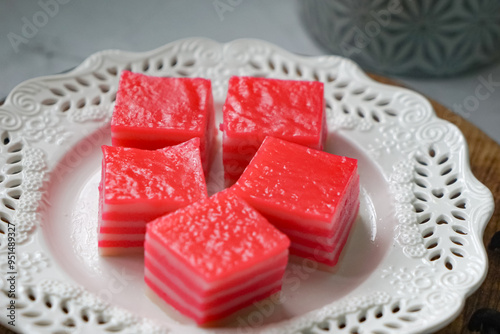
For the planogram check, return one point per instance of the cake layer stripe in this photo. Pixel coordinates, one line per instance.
(327, 257)
(205, 302)
(120, 243)
(173, 299)
(175, 265)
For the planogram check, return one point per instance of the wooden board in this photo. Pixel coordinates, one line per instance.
(485, 164)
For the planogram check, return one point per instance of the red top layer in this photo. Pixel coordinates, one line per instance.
(296, 179)
(219, 236)
(144, 101)
(281, 108)
(173, 173)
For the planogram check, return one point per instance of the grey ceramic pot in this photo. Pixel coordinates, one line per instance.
(408, 37)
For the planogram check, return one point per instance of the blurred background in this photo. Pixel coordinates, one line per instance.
(43, 37)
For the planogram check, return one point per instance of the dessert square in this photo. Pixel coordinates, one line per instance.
(138, 186)
(214, 257)
(259, 107)
(154, 112)
(310, 195)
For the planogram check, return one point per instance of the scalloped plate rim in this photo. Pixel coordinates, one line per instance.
(437, 323)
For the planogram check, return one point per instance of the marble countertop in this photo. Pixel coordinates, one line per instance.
(73, 30)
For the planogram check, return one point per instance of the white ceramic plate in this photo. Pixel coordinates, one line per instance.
(415, 253)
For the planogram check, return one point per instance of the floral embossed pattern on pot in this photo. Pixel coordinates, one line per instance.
(416, 38)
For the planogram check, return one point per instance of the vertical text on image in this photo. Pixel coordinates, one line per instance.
(11, 273)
